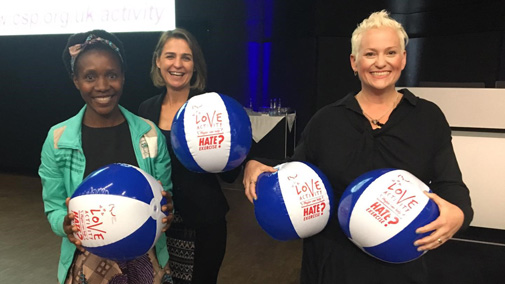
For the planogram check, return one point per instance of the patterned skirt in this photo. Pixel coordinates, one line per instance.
(181, 248)
(88, 268)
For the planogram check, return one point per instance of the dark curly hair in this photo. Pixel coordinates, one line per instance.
(80, 38)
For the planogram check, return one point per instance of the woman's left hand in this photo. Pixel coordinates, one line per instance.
(444, 227)
(169, 209)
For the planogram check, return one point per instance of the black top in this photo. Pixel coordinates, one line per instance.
(416, 138)
(197, 196)
(340, 141)
(107, 145)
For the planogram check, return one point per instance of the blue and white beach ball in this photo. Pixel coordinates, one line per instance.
(381, 210)
(211, 133)
(117, 210)
(294, 202)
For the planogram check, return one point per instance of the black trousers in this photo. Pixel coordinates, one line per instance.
(210, 247)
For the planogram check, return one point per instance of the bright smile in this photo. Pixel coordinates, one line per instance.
(380, 73)
(176, 73)
(103, 100)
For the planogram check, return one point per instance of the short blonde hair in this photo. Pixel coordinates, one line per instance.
(377, 20)
(199, 78)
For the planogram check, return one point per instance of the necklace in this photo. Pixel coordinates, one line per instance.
(376, 121)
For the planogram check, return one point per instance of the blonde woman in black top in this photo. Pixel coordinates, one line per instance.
(377, 127)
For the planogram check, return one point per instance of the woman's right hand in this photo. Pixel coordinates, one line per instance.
(69, 229)
(251, 172)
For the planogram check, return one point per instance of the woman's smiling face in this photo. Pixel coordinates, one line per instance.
(380, 59)
(99, 78)
(176, 64)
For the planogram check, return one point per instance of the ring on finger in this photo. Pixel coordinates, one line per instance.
(439, 240)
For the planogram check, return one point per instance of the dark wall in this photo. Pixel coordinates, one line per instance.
(335, 76)
(469, 57)
(293, 69)
(220, 27)
(460, 41)
(35, 92)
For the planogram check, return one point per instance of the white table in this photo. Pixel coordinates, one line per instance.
(262, 124)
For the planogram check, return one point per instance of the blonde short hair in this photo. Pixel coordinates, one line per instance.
(199, 78)
(377, 20)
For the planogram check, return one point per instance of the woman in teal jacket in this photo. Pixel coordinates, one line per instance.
(103, 132)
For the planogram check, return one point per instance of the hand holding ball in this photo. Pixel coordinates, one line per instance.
(294, 202)
(117, 210)
(381, 210)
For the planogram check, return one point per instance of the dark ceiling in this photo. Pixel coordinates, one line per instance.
(419, 17)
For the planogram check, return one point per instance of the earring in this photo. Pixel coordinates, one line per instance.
(355, 73)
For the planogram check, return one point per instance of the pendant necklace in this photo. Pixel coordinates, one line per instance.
(376, 121)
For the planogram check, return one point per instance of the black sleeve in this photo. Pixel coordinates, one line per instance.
(143, 109)
(448, 181)
(302, 150)
(151, 108)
